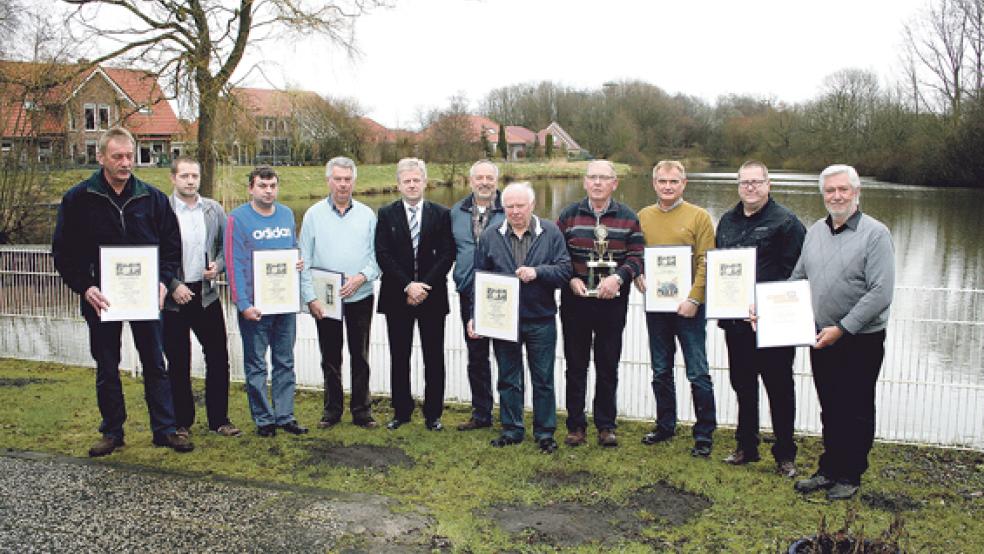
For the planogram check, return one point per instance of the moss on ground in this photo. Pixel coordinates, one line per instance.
(457, 476)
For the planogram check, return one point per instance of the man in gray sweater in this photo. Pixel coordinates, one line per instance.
(850, 262)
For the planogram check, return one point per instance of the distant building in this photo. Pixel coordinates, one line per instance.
(56, 112)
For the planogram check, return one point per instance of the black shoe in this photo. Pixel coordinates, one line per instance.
(547, 445)
(326, 423)
(786, 468)
(434, 425)
(395, 424)
(267, 430)
(105, 446)
(175, 442)
(473, 424)
(366, 423)
(816, 482)
(701, 450)
(842, 490)
(294, 428)
(504, 440)
(741, 457)
(657, 436)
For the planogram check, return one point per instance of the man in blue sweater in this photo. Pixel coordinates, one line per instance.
(850, 262)
(263, 224)
(337, 234)
(533, 250)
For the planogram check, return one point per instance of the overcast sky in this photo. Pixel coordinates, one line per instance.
(419, 53)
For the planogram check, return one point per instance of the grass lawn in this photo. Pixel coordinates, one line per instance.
(309, 181)
(462, 481)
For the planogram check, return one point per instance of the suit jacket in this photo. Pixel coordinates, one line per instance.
(394, 254)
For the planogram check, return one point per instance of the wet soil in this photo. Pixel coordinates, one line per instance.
(357, 456)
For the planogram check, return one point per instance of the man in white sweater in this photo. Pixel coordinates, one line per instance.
(850, 262)
(337, 235)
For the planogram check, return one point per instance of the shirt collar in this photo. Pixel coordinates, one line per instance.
(535, 226)
(671, 208)
(185, 207)
(851, 223)
(335, 209)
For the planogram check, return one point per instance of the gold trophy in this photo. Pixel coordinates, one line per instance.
(598, 266)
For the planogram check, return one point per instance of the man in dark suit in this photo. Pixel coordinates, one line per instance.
(414, 250)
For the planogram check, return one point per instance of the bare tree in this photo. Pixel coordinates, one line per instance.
(941, 46)
(196, 46)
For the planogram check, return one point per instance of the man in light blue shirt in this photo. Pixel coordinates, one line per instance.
(337, 235)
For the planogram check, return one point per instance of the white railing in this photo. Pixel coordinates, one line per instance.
(931, 388)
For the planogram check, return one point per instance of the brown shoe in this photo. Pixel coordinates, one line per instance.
(739, 458)
(175, 442)
(473, 424)
(105, 446)
(577, 437)
(607, 438)
(786, 468)
(183, 432)
(228, 430)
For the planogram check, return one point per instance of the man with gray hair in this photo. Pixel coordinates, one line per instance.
(850, 262)
(338, 234)
(470, 216)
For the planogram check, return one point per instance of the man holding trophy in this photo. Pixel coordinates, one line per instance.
(605, 243)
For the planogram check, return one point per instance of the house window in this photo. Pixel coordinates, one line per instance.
(271, 124)
(90, 152)
(6, 146)
(90, 117)
(145, 110)
(44, 151)
(103, 116)
(283, 124)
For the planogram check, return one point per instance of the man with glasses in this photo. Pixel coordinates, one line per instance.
(672, 221)
(759, 221)
(595, 318)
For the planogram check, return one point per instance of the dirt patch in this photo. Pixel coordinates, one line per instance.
(21, 381)
(574, 523)
(957, 470)
(890, 502)
(357, 456)
(553, 478)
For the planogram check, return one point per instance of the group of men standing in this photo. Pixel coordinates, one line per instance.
(412, 245)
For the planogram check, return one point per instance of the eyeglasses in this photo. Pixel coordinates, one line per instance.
(602, 178)
(752, 183)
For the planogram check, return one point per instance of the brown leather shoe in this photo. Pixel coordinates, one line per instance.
(183, 431)
(576, 437)
(786, 468)
(739, 458)
(228, 430)
(175, 442)
(607, 438)
(105, 446)
(473, 424)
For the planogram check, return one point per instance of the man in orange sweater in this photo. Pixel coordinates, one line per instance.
(672, 221)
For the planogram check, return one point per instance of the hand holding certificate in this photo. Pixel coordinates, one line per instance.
(496, 306)
(784, 314)
(730, 282)
(669, 277)
(130, 283)
(276, 281)
(328, 286)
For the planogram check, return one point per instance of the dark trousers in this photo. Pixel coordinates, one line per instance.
(845, 374)
(775, 366)
(592, 324)
(357, 318)
(399, 329)
(208, 324)
(104, 344)
(479, 367)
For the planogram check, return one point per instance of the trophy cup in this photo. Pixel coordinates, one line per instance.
(599, 266)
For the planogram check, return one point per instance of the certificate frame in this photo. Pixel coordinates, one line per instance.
(496, 309)
(276, 281)
(129, 278)
(784, 311)
(327, 288)
(731, 276)
(669, 276)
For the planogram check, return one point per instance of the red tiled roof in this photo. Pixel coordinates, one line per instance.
(142, 88)
(263, 102)
(516, 134)
(477, 125)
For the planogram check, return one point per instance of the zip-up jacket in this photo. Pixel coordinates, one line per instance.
(91, 215)
(464, 241)
(215, 223)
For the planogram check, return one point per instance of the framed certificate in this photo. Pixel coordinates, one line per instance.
(730, 282)
(129, 278)
(497, 306)
(276, 281)
(669, 277)
(327, 288)
(785, 314)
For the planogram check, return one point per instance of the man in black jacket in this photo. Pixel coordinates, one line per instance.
(414, 250)
(777, 235)
(112, 207)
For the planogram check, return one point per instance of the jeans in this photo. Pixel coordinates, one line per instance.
(275, 332)
(587, 323)
(540, 338)
(208, 324)
(399, 330)
(845, 374)
(692, 334)
(104, 345)
(479, 367)
(775, 365)
(357, 319)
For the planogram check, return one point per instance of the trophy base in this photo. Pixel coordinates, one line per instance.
(594, 293)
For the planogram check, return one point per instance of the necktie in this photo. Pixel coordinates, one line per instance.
(414, 229)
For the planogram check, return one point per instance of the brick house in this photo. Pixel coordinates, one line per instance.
(58, 111)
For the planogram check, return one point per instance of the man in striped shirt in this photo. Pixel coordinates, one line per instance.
(593, 313)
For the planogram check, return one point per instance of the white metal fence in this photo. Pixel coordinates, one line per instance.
(931, 388)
